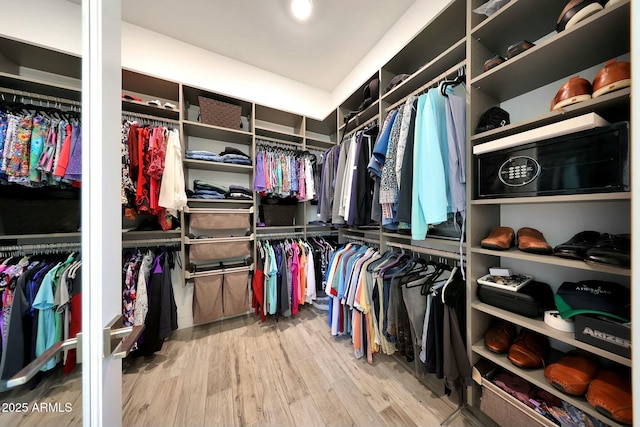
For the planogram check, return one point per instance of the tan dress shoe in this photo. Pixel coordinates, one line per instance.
(500, 238)
(531, 240)
(575, 90)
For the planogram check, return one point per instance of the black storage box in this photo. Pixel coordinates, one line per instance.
(605, 333)
(531, 300)
(278, 214)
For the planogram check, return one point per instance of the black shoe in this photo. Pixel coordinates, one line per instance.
(576, 247)
(611, 249)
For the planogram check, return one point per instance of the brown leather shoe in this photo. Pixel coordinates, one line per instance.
(610, 394)
(576, 89)
(531, 240)
(499, 336)
(613, 76)
(529, 350)
(572, 373)
(500, 238)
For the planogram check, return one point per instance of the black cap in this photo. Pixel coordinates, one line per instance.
(594, 297)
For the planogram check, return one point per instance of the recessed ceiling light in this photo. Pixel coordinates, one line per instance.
(301, 9)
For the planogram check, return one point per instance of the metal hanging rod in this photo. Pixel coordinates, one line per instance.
(41, 247)
(266, 236)
(169, 241)
(273, 142)
(426, 251)
(428, 85)
(39, 97)
(362, 126)
(130, 114)
(354, 238)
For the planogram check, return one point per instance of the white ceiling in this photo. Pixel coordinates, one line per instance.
(320, 52)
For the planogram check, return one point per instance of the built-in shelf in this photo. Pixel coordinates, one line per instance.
(150, 234)
(312, 143)
(218, 166)
(211, 201)
(276, 135)
(538, 325)
(606, 105)
(573, 198)
(606, 34)
(273, 228)
(35, 86)
(363, 116)
(148, 109)
(201, 130)
(553, 260)
(536, 377)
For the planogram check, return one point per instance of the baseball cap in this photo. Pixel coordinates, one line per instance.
(594, 297)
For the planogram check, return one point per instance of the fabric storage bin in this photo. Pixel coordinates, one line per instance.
(235, 293)
(207, 299)
(219, 113)
(219, 221)
(508, 411)
(278, 214)
(219, 250)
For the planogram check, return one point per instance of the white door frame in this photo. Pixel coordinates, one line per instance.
(101, 211)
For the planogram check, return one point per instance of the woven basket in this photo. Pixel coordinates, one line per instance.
(218, 113)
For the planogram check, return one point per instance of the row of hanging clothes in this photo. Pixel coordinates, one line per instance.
(40, 145)
(152, 171)
(281, 171)
(345, 192)
(418, 164)
(147, 296)
(41, 305)
(395, 302)
(289, 274)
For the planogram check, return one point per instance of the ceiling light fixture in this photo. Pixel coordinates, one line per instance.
(301, 9)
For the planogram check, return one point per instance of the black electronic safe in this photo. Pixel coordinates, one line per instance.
(590, 161)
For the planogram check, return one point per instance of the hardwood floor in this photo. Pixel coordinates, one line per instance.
(242, 372)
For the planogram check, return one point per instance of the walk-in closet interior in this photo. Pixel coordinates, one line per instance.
(441, 237)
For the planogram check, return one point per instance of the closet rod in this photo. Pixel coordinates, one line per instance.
(322, 233)
(38, 96)
(41, 247)
(428, 85)
(169, 241)
(269, 142)
(362, 126)
(266, 236)
(126, 114)
(354, 238)
(426, 251)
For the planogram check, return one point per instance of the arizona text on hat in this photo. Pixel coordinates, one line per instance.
(594, 297)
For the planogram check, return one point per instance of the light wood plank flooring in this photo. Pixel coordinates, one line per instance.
(242, 372)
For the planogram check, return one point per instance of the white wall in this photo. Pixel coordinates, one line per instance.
(57, 26)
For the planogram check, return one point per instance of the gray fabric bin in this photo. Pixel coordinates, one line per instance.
(207, 299)
(219, 250)
(220, 221)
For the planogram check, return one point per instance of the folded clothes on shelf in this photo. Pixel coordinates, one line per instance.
(229, 155)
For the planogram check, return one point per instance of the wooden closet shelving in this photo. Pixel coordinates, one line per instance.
(524, 86)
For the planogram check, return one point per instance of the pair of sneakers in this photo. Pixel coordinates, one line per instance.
(613, 76)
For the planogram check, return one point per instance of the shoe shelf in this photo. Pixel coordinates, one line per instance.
(536, 377)
(538, 325)
(604, 35)
(218, 166)
(553, 260)
(607, 106)
(364, 116)
(573, 198)
(152, 110)
(517, 20)
(201, 130)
